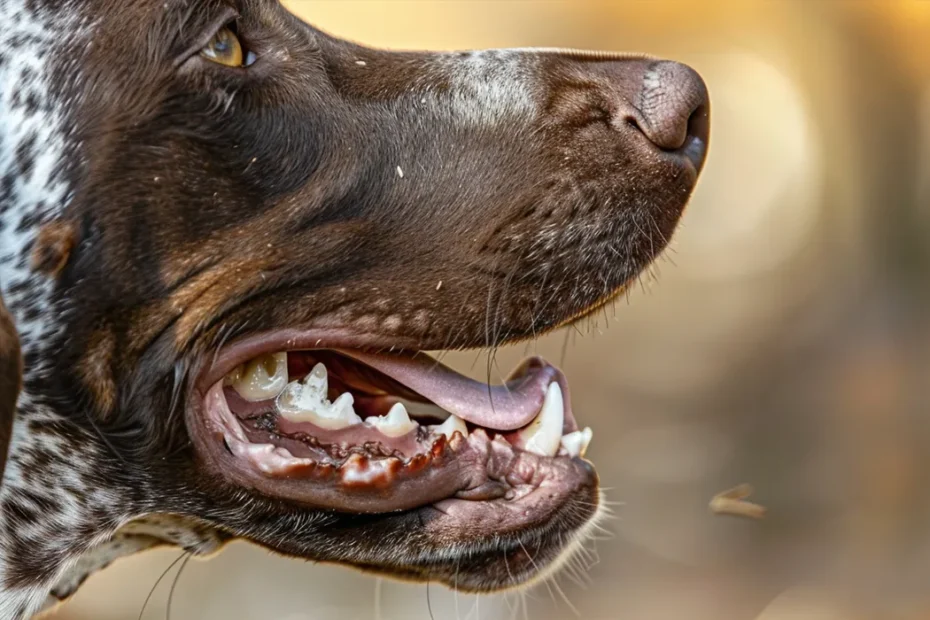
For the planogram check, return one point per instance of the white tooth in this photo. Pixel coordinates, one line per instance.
(448, 428)
(262, 378)
(341, 413)
(306, 401)
(543, 436)
(395, 424)
(317, 381)
(576, 444)
(289, 399)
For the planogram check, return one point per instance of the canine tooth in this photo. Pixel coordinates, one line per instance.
(543, 436)
(396, 423)
(452, 424)
(262, 378)
(576, 444)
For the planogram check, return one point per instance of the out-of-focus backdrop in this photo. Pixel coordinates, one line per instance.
(784, 343)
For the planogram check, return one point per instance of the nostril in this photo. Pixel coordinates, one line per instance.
(699, 123)
(695, 147)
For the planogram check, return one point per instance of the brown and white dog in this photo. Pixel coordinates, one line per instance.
(225, 240)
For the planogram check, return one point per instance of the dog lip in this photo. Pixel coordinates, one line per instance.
(318, 486)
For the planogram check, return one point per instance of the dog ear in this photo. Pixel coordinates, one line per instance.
(11, 375)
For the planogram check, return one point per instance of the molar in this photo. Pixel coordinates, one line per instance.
(307, 401)
(262, 378)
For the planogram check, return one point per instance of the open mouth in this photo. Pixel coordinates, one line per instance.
(359, 431)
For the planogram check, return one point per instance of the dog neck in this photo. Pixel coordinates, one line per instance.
(61, 517)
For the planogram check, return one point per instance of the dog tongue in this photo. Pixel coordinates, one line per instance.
(505, 407)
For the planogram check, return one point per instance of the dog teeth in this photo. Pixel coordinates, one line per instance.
(262, 378)
(307, 401)
(395, 424)
(576, 444)
(452, 425)
(543, 436)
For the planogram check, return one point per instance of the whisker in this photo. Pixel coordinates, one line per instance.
(429, 604)
(174, 584)
(158, 581)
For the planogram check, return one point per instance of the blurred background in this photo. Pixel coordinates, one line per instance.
(785, 341)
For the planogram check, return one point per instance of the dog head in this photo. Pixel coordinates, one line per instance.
(228, 238)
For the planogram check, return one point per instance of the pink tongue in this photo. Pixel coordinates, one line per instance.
(504, 407)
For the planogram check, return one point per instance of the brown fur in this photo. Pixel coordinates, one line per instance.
(53, 247)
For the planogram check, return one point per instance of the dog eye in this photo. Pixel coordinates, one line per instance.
(225, 48)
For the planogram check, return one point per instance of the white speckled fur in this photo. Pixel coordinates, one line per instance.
(39, 195)
(27, 40)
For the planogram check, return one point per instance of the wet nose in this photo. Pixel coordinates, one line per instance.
(674, 106)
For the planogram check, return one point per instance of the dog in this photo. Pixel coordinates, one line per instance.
(226, 240)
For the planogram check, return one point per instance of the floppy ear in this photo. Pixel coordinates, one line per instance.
(11, 374)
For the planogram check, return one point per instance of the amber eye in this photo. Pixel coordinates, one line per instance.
(224, 48)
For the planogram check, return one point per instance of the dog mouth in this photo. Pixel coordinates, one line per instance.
(360, 431)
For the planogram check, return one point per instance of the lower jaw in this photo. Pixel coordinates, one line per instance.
(473, 512)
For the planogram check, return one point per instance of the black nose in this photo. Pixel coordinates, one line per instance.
(673, 105)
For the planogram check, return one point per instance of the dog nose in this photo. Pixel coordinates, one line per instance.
(673, 109)
(673, 101)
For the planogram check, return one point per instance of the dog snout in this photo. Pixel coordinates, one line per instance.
(672, 109)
